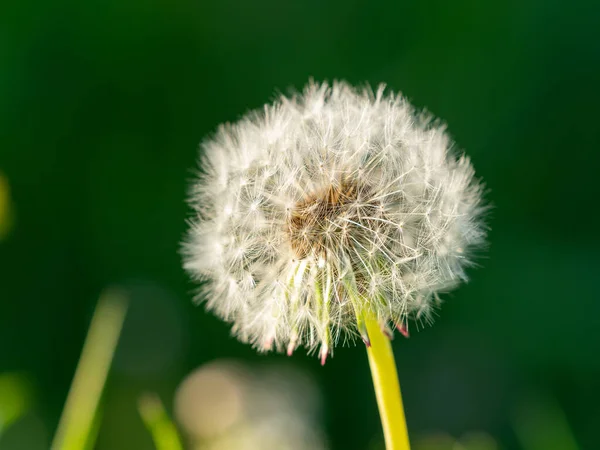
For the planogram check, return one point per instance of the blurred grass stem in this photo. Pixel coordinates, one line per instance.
(541, 424)
(387, 387)
(163, 430)
(76, 425)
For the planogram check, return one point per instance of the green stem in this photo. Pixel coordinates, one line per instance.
(163, 430)
(76, 426)
(387, 387)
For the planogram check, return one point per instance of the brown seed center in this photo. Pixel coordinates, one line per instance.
(330, 218)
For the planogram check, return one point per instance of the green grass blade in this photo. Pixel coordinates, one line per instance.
(79, 418)
(16, 396)
(163, 430)
(540, 424)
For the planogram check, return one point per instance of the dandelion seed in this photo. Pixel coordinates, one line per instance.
(327, 207)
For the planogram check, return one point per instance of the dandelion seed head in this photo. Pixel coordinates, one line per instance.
(325, 205)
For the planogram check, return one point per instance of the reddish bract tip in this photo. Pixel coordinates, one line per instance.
(367, 341)
(268, 344)
(387, 332)
(291, 348)
(324, 352)
(403, 330)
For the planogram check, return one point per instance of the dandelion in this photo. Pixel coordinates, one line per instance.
(333, 214)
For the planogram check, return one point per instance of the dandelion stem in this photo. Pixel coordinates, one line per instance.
(387, 387)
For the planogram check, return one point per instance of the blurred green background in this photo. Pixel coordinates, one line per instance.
(102, 107)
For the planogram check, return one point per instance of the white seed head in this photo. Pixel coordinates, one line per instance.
(326, 206)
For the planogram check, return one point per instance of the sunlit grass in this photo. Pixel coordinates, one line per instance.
(79, 422)
(15, 398)
(163, 430)
(6, 213)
